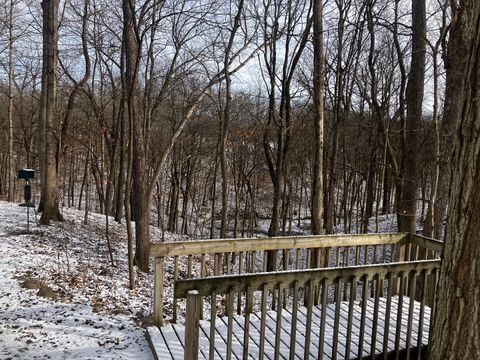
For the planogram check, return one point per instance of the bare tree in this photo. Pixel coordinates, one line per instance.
(46, 141)
(226, 118)
(407, 206)
(11, 40)
(319, 94)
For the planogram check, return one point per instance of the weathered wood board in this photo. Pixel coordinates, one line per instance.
(168, 341)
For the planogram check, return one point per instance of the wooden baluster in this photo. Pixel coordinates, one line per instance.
(158, 292)
(286, 267)
(336, 325)
(293, 327)
(192, 325)
(376, 290)
(309, 288)
(327, 257)
(278, 328)
(421, 320)
(189, 273)
(202, 274)
(202, 265)
(399, 315)
(241, 256)
(229, 263)
(229, 323)
(373, 288)
(411, 295)
(217, 264)
(213, 318)
(297, 259)
(175, 279)
(408, 252)
(363, 316)
(346, 253)
(357, 255)
(323, 315)
(273, 292)
(351, 304)
(263, 315)
(228, 268)
(386, 332)
(246, 324)
(417, 253)
(251, 266)
(240, 271)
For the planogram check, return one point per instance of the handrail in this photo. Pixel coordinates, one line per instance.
(221, 285)
(394, 299)
(209, 258)
(272, 243)
(425, 242)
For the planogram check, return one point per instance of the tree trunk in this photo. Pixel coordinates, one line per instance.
(226, 120)
(455, 67)
(319, 93)
(456, 332)
(47, 145)
(407, 206)
(140, 202)
(11, 171)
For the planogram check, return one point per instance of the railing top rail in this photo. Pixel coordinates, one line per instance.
(425, 242)
(272, 243)
(235, 283)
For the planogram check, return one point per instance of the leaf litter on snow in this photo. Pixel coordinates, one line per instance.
(92, 313)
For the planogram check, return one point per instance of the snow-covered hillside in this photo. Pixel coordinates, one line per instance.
(60, 297)
(88, 311)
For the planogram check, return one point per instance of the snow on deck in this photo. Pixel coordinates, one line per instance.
(168, 340)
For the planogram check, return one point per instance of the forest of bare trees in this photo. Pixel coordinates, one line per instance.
(212, 119)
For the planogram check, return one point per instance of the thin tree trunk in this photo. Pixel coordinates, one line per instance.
(11, 171)
(319, 93)
(140, 199)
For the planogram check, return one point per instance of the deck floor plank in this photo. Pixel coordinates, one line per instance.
(285, 334)
(170, 343)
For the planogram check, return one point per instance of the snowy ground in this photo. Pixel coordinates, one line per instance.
(94, 315)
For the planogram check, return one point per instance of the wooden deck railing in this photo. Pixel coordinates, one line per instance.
(370, 288)
(200, 259)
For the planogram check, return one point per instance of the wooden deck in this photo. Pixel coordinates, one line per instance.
(168, 341)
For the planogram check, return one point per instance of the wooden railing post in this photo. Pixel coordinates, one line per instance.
(192, 318)
(158, 292)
